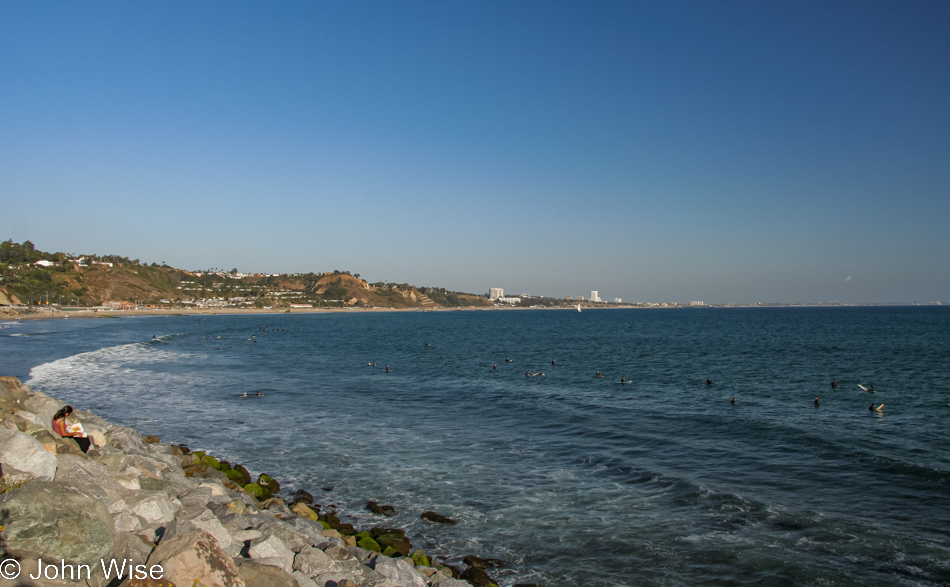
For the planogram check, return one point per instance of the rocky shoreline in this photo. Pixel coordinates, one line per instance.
(138, 512)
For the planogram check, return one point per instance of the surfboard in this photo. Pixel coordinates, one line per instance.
(866, 389)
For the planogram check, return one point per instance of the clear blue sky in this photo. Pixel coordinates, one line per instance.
(655, 151)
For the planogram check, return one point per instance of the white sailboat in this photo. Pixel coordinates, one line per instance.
(578, 306)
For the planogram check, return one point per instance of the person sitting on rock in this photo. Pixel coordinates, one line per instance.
(60, 424)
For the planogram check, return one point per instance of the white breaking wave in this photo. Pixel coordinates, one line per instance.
(118, 377)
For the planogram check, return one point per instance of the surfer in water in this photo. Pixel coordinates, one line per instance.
(388, 369)
(553, 361)
(623, 380)
(507, 360)
(880, 408)
(527, 373)
(817, 402)
(599, 376)
(495, 367)
(733, 401)
(709, 382)
(834, 384)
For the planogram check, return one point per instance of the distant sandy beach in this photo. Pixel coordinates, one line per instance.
(60, 314)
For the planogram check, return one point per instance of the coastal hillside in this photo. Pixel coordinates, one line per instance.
(32, 277)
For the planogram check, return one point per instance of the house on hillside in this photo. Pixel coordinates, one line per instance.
(44, 263)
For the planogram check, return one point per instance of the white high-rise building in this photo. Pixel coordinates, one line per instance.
(594, 296)
(496, 292)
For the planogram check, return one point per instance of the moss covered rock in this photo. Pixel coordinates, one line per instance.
(257, 491)
(398, 543)
(390, 552)
(268, 483)
(367, 543)
(211, 462)
(419, 557)
(245, 475)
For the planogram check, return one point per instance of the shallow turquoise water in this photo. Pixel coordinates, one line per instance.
(573, 480)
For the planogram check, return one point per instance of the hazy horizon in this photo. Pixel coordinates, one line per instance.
(729, 152)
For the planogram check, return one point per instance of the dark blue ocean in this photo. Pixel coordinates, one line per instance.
(570, 479)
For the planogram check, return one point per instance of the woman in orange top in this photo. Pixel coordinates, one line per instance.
(60, 424)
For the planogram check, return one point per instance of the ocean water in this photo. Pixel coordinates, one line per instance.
(570, 479)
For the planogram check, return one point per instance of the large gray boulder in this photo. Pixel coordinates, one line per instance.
(258, 575)
(93, 479)
(129, 546)
(295, 541)
(126, 440)
(359, 574)
(34, 419)
(196, 558)
(51, 521)
(312, 561)
(116, 461)
(194, 518)
(397, 571)
(153, 507)
(200, 496)
(271, 547)
(312, 530)
(447, 582)
(43, 406)
(22, 451)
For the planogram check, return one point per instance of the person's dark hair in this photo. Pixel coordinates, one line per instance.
(63, 411)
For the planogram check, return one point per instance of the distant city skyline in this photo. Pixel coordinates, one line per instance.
(730, 152)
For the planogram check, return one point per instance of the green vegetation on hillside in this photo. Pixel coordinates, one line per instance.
(93, 280)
